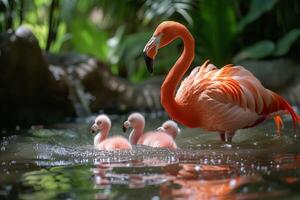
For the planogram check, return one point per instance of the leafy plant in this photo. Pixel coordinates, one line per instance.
(267, 48)
(215, 30)
(257, 8)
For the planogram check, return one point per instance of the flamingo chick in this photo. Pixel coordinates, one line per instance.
(101, 142)
(222, 100)
(164, 137)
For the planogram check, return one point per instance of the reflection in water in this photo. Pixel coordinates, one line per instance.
(202, 182)
(61, 164)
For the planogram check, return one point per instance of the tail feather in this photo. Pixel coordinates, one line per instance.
(284, 105)
(279, 124)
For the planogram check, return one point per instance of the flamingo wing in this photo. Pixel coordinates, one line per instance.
(235, 94)
(114, 143)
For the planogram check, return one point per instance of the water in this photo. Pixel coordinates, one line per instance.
(60, 163)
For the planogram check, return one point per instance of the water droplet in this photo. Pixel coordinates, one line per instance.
(155, 198)
(205, 161)
(197, 168)
(227, 145)
(232, 183)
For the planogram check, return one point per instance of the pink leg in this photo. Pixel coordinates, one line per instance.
(229, 136)
(222, 136)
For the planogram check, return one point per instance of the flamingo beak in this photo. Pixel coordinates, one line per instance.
(126, 125)
(150, 51)
(161, 129)
(94, 128)
(149, 63)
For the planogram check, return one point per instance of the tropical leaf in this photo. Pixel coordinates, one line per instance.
(165, 9)
(285, 43)
(258, 50)
(88, 39)
(257, 8)
(216, 30)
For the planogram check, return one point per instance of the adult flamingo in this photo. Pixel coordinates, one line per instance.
(101, 142)
(163, 137)
(222, 100)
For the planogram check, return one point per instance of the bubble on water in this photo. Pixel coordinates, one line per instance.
(277, 166)
(227, 145)
(232, 183)
(255, 143)
(197, 167)
(155, 198)
(205, 161)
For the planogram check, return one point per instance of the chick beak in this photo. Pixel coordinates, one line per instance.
(161, 129)
(124, 128)
(94, 128)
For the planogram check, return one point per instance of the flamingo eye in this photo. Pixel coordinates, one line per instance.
(99, 123)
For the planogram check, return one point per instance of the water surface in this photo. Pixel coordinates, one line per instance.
(59, 162)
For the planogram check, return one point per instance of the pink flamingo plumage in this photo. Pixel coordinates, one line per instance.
(163, 137)
(222, 100)
(101, 142)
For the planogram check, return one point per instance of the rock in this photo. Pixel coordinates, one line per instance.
(28, 92)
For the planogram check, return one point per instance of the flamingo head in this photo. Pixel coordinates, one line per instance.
(170, 127)
(165, 33)
(102, 122)
(135, 120)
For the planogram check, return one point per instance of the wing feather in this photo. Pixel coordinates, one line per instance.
(235, 86)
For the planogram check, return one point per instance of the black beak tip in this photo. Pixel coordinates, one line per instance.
(149, 63)
(124, 129)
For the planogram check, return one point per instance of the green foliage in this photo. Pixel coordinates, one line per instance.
(257, 8)
(216, 30)
(162, 10)
(116, 31)
(267, 48)
(285, 43)
(258, 50)
(50, 183)
(88, 39)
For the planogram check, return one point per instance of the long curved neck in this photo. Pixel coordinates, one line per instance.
(135, 134)
(101, 136)
(169, 86)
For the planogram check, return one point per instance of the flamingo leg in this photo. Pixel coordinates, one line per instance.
(229, 136)
(222, 136)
